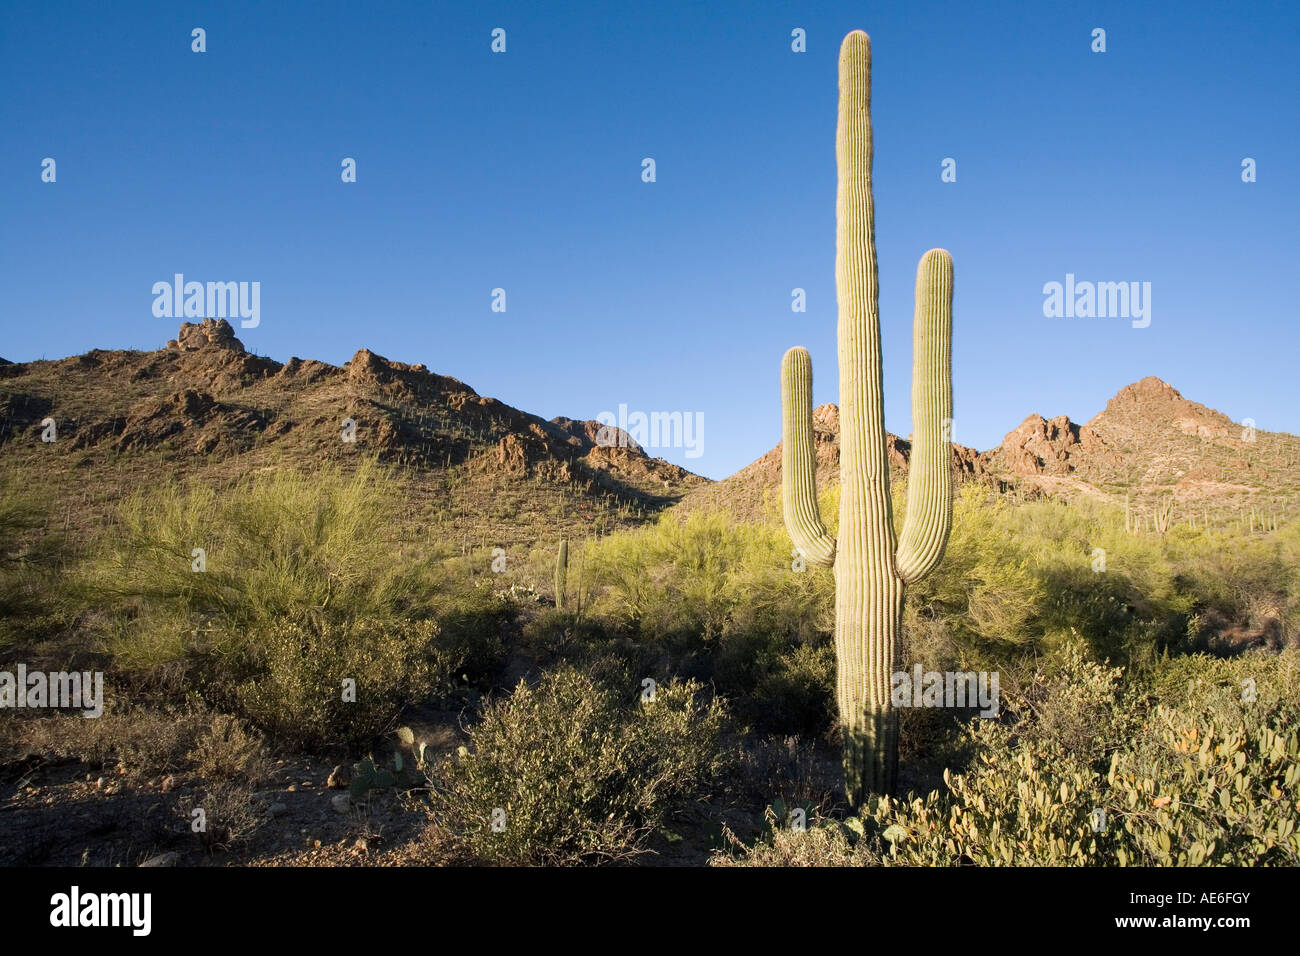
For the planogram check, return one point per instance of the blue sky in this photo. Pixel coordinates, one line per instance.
(522, 171)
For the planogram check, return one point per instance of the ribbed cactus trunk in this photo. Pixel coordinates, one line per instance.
(871, 566)
(562, 574)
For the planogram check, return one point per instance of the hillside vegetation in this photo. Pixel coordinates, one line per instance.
(686, 687)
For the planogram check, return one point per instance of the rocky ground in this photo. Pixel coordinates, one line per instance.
(72, 814)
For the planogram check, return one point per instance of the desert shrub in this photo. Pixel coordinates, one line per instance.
(278, 544)
(297, 695)
(228, 749)
(1209, 779)
(823, 843)
(33, 602)
(1250, 686)
(471, 647)
(719, 602)
(143, 742)
(698, 577)
(1020, 579)
(576, 770)
(565, 635)
(795, 692)
(1200, 793)
(1065, 701)
(229, 815)
(304, 585)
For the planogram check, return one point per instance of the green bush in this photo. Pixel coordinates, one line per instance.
(297, 693)
(793, 693)
(280, 544)
(1086, 771)
(574, 770)
(33, 600)
(141, 742)
(471, 645)
(304, 583)
(717, 601)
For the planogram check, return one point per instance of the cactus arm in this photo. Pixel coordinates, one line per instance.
(929, 481)
(803, 520)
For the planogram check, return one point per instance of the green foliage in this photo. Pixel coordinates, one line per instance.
(300, 587)
(792, 690)
(471, 648)
(685, 577)
(1093, 771)
(278, 544)
(32, 603)
(561, 574)
(706, 597)
(1023, 577)
(296, 688)
(574, 770)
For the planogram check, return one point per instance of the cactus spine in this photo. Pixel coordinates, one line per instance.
(561, 573)
(871, 567)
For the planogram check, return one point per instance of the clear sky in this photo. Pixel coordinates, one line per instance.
(523, 171)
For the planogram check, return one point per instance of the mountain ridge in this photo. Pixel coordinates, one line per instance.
(202, 404)
(1146, 442)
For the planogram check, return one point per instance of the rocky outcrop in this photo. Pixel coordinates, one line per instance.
(1041, 446)
(208, 334)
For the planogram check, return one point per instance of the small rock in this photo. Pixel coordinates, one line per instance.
(340, 777)
(168, 783)
(99, 784)
(278, 809)
(292, 788)
(306, 784)
(341, 802)
(163, 859)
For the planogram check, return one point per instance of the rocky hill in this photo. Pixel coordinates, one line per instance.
(754, 492)
(1148, 442)
(203, 405)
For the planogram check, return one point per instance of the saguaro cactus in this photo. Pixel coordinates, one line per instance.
(871, 566)
(1162, 513)
(562, 573)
